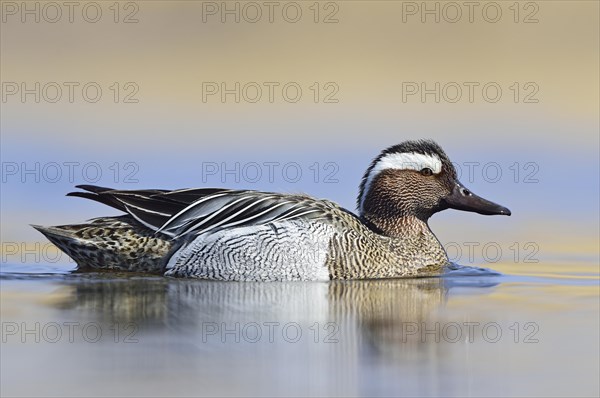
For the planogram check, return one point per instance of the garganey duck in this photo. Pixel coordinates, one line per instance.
(243, 235)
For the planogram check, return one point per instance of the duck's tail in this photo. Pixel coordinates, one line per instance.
(117, 243)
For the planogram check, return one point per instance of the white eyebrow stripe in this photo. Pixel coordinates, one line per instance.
(407, 161)
(401, 161)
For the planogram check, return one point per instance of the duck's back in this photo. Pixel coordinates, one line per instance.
(208, 233)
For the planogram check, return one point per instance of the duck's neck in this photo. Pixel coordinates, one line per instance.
(409, 232)
(400, 226)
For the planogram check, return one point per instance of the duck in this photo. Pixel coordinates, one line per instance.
(247, 235)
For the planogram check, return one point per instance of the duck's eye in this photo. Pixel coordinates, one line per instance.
(427, 171)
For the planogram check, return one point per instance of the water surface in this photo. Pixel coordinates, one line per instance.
(526, 331)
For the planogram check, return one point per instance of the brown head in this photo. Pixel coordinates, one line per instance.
(415, 179)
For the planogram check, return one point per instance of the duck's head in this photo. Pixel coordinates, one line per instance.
(416, 179)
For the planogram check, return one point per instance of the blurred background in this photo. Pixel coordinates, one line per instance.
(300, 97)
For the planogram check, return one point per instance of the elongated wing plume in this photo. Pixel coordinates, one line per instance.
(202, 210)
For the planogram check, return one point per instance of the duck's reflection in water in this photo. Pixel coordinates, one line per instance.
(385, 316)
